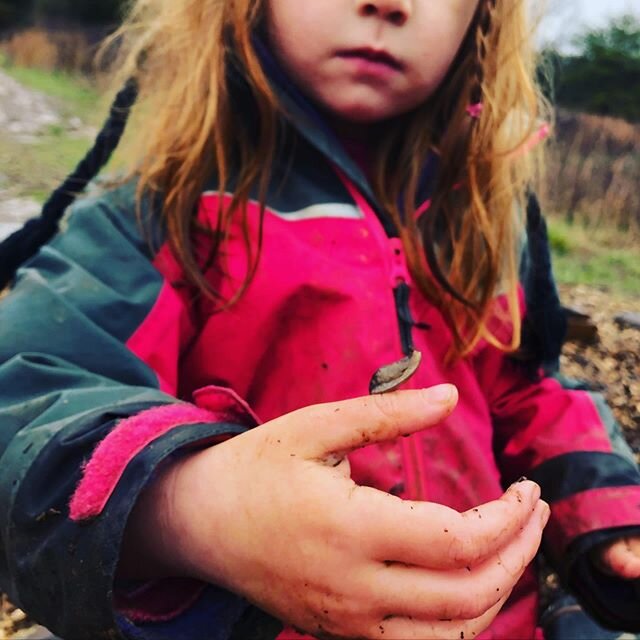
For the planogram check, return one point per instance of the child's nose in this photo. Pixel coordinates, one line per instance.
(395, 11)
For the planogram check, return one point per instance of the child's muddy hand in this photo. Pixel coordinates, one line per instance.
(620, 558)
(273, 515)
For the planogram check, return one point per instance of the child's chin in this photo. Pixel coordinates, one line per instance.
(363, 113)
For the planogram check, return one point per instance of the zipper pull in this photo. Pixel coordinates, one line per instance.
(391, 376)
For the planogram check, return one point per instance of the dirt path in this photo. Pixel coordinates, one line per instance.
(25, 116)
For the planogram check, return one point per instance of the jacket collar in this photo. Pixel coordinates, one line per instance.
(309, 123)
(305, 118)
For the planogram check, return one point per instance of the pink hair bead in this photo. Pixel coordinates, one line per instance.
(475, 110)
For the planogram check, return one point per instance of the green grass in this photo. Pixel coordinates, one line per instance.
(602, 258)
(33, 170)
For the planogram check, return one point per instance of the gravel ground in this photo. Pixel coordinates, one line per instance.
(612, 363)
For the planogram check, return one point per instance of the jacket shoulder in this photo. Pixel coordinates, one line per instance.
(116, 208)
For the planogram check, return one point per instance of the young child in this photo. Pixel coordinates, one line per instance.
(321, 190)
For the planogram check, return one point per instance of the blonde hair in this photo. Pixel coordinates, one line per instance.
(462, 253)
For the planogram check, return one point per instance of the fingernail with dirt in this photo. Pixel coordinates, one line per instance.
(527, 489)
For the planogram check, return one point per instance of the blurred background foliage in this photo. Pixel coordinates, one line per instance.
(21, 13)
(603, 75)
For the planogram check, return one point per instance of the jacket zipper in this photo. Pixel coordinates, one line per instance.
(400, 284)
(401, 293)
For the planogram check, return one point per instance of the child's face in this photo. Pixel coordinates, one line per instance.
(367, 61)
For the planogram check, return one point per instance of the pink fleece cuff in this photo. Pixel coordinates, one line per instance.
(131, 436)
(158, 600)
(113, 454)
(592, 510)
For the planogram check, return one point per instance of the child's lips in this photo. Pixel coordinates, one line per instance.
(373, 57)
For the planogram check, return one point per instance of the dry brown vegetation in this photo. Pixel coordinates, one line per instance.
(70, 50)
(593, 172)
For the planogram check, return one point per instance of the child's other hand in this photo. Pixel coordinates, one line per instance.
(620, 558)
(273, 515)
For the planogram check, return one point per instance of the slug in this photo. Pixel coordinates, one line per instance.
(391, 376)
